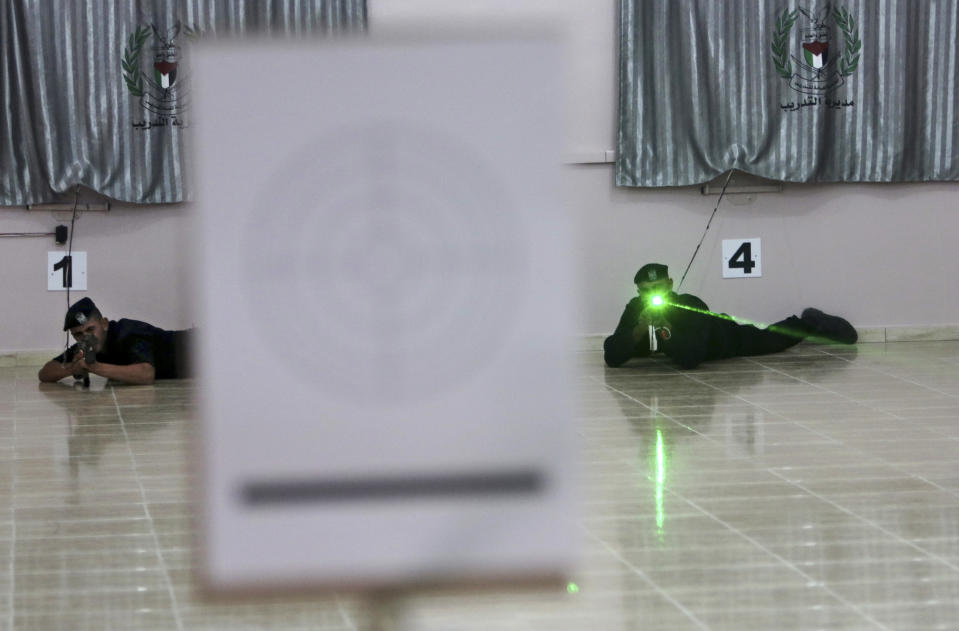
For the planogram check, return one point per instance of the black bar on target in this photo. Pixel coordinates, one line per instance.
(449, 486)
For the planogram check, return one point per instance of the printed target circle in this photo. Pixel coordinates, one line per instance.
(390, 265)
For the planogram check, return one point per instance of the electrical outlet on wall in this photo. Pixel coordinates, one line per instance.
(65, 271)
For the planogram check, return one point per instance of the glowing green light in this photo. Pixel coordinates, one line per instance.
(572, 588)
(660, 480)
(657, 301)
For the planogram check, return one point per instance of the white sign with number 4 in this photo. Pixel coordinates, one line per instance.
(742, 258)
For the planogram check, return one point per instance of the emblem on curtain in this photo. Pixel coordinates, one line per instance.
(154, 77)
(808, 60)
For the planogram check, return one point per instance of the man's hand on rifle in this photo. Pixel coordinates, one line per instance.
(79, 368)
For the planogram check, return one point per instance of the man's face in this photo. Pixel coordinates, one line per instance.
(94, 326)
(648, 289)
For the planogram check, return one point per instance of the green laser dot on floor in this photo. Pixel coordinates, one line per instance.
(572, 588)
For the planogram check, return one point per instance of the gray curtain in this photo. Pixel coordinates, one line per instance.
(856, 91)
(94, 92)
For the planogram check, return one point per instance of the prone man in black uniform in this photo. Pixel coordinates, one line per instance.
(689, 334)
(125, 350)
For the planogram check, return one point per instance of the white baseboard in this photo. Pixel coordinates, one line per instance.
(11, 359)
(922, 333)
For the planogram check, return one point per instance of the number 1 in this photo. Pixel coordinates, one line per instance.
(66, 264)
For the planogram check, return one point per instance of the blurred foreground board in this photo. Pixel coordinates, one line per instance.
(386, 312)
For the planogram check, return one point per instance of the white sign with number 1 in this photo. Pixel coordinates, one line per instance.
(742, 258)
(65, 272)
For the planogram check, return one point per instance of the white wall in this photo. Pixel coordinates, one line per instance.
(138, 267)
(882, 255)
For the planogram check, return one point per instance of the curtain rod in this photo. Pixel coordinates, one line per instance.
(102, 207)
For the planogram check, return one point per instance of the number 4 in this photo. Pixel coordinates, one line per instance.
(743, 258)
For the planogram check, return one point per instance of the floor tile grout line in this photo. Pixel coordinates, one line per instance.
(730, 527)
(839, 394)
(67, 555)
(773, 472)
(830, 438)
(116, 537)
(50, 497)
(789, 564)
(879, 458)
(120, 570)
(146, 510)
(705, 436)
(344, 614)
(645, 577)
(91, 520)
(894, 376)
(654, 411)
(887, 463)
(766, 410)
(873, 524)
(848, 511)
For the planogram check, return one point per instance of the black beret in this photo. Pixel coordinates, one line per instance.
(651, 272)
(79, 313)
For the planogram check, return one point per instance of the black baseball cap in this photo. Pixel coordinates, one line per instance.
(79, 313)
(651, 272)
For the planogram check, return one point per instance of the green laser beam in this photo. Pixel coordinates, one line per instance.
(724, 316)
(660, 480)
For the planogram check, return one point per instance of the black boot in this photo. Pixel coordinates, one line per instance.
(830, 327)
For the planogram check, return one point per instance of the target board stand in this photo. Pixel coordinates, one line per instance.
(386, 302)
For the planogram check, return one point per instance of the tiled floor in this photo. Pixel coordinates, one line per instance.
(814, 489)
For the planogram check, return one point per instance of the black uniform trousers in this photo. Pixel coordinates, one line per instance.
(711, 337)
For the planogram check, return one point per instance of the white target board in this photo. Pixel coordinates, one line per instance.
(386, 312)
